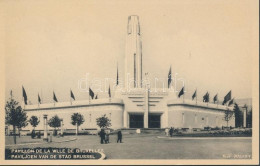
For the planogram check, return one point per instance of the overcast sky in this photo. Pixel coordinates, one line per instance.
(51, 45)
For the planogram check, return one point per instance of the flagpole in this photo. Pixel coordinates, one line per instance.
(117, 76)
(217, 101)
(41, 97)
(88, 95)
(208, 102)
(171, 79)
(23, 103)
(196, 96)
(89, 91)
(53, 98)
(109, 94)
(70, 97)
(183, 94)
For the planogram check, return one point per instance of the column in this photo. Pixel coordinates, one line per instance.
(244, 117)
(146, 107)
(61, 127)
(164, 119)
(125, 116)
(45, 134)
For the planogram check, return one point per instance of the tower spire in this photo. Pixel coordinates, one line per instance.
(133, 55)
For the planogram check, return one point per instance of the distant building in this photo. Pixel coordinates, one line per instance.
(137, 105)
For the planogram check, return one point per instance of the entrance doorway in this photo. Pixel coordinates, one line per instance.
(154, 121)
(136, 121)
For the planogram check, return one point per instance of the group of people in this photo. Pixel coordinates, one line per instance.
(34, 134)
(171, 131)
(104, 136)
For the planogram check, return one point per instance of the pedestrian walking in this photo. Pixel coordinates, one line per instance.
(102, 136)
(107, 138)
(119, 136)
(171, 131)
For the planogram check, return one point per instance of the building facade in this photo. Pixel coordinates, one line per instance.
(137, 105)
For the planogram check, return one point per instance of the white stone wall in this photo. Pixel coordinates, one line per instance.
(181, 116)
(174, 113)
(90, 113)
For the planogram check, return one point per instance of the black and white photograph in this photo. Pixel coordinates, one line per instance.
(130, 82)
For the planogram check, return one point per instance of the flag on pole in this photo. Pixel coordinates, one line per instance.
(117, 77)
(231, 102)
(54, 97)
(24, 96)
(194, 95)
(170, 77)
(91, 93)
(39, 99)
(181, 92)
(109, 92)
(215, 99)
(227, 98)
(206, 97)
(72, 95)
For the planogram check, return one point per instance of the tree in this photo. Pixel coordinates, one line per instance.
(228, 115)
(77, 119)
(15, 116)
(34, 121)
(54, 122)
(238, 116)
(103, 121)
(21, 125)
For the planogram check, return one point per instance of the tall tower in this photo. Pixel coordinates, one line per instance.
(133, 54)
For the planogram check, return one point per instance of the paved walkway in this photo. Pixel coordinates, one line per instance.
(145, 146)
(205, 138)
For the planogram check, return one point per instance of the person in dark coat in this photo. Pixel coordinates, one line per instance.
(107, 137)
(171, 131)
(102, 136)
(119, 136)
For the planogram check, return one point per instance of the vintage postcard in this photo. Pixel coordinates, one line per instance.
(129, 82)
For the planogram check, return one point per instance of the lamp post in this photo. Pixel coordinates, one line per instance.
(45, 134)
(245, 115)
